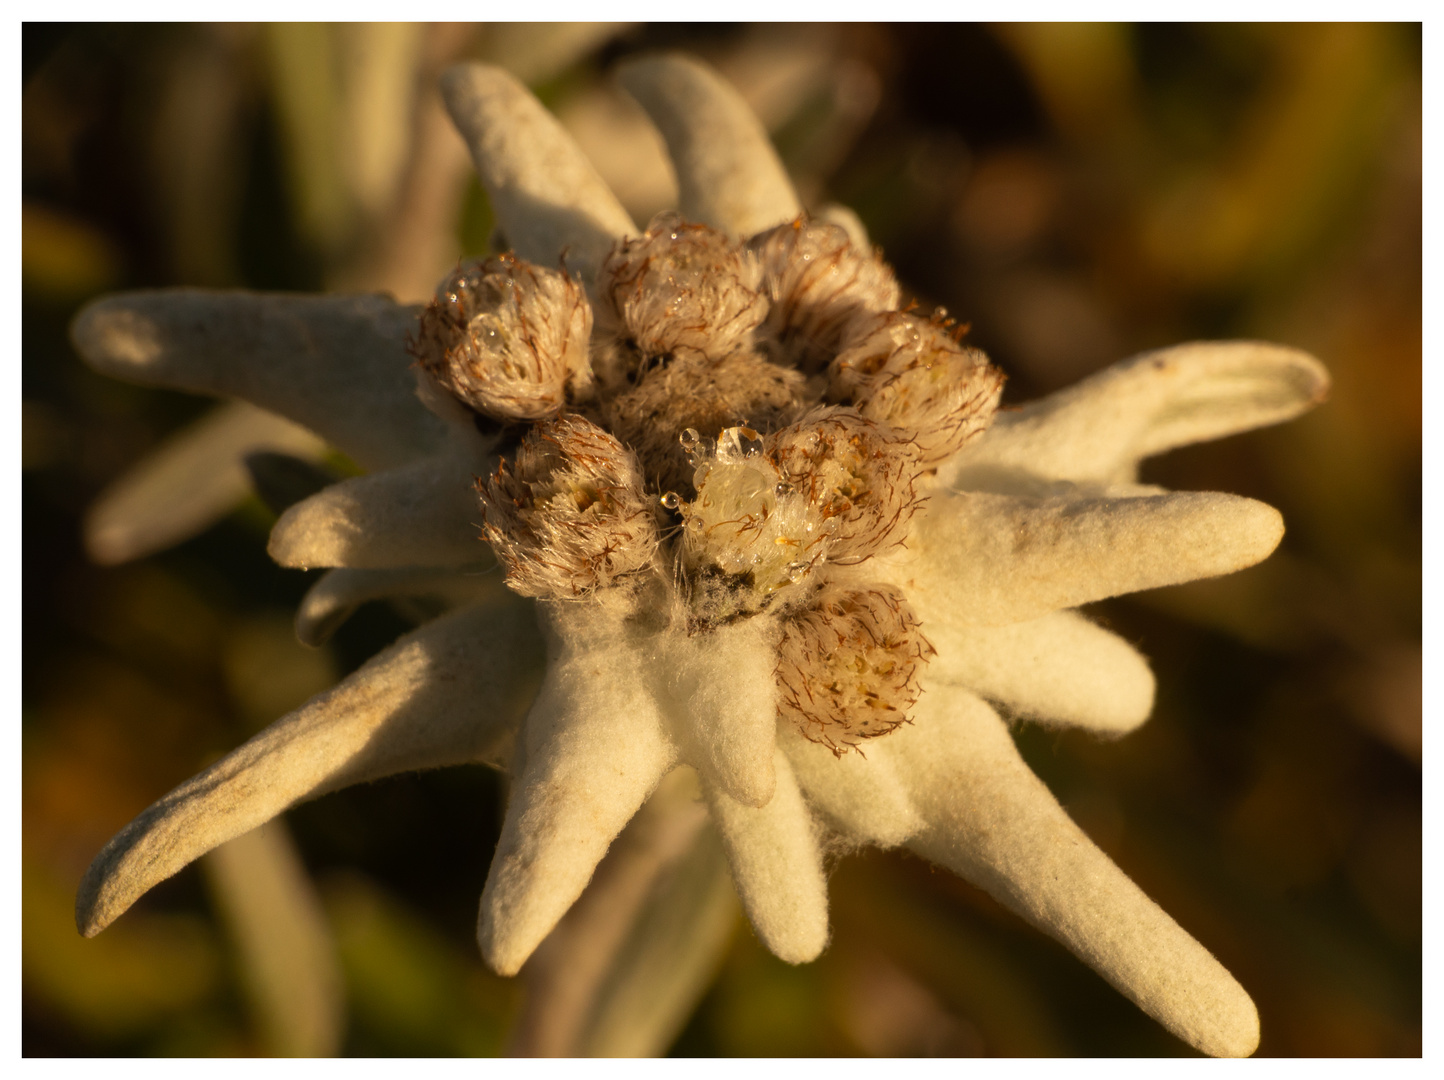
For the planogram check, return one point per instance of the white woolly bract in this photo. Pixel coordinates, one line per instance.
(718, 692)
(818, 282)
(1058, 669)
(590, 752)
(506, 337)
(682, 286)
(569, 517)
(848, 666)
(777, 866)
(910, 372)
(862, 797)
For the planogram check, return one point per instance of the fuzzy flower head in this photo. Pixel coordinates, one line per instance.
(914, 373)
(506, 338)
(849, 666)
(819, 283)
(785, 542)
(682, 286)
(568, 516)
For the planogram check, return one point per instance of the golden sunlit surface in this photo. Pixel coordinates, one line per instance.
(1075, 193)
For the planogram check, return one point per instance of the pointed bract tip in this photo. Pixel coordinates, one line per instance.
(1236, 1028)
(114, 336)
(1259, 528)
(502, 956)
(90, 915)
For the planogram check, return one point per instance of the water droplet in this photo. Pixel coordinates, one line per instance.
(940, 312)
(729, 447)
(796, 571)
(689, 439)
(671, 500)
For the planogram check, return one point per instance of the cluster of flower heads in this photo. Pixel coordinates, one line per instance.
(739, 425)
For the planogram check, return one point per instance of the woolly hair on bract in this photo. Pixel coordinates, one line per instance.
(569, 515)
(506, 338)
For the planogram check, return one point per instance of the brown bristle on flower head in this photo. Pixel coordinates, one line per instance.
(569, 516)
(681, 286)
(848, 665)
(859, 474)
(818, 281)
(747, 537)
(693, 392)
(506, 337)
(771, 511)
(913, 373)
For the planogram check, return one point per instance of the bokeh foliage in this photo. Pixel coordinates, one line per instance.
(1076, 193)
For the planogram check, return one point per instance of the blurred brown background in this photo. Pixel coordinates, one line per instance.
(1076, 193)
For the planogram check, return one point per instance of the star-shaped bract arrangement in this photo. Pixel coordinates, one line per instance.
(774, 529)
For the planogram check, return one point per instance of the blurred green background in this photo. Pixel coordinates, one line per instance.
(1076, 193)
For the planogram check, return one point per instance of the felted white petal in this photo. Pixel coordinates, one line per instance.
(593, 748)
(776, 866)
(335, 364)
(422, 514)
(448, 693)
(993, 822)
(338, 593)
(1060, 669)
(992, 559)
(860, 793)
(721, 698)
(728, 174)
(1099, 429)
(188, 483)
(546, 195)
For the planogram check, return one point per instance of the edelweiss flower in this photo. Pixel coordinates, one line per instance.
(774, 530)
